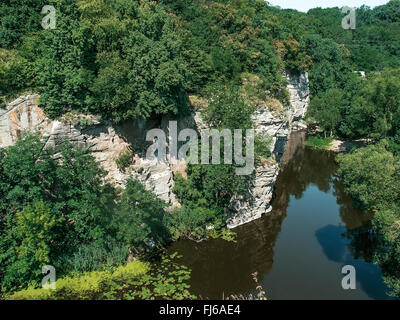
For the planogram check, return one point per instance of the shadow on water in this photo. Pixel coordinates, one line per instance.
(299, 248)
(335, 243)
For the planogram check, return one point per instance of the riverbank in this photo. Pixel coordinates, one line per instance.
(334, 145)
(340, 146)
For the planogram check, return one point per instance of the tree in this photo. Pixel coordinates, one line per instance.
(17, 18)
(143, 72)
(294, 55)
(371, 175)
(227, 108)
(72, 184)
(139, 217)
(34, 232)
(330, 66)
(326, 109)
(67, 65)
(376, 111)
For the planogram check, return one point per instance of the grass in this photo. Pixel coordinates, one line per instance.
(318, 142)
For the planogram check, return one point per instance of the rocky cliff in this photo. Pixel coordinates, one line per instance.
(278, 125)
(107, 141)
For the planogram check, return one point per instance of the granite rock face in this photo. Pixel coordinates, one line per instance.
(107, 141)
(21, 114)
(298, 87)
(100, 137)
(104, 140)
(278, 125)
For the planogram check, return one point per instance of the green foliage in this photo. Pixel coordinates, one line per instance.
(97, 255)
(33, 232)
(16, 73)
(211, 186)
(371, 175)
(140, 74)
(367, 108)
(90, 285)
(128, 60)
(330, 67)
(294, 54)
(227, 108)
(386, 225)
(262, 144)
(17, 18)
(124, 159)
(318, 142)
(139, 217)
(67, 64)
(73, 186)
(205, 194)
(325, 108)
(223, 233)
(165, 279)
(376, 111)
(189, 221)
(208, 189)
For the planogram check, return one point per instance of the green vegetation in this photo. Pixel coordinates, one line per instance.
(129, 60)
(139, 217)
(56, 208)
(135, 280)
(124, 159)
(371, 176)
(318, 142)
(68, 194)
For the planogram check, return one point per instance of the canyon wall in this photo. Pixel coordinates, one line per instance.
(106, 141)
(278, 125)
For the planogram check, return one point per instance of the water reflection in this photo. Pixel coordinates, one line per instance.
(298, 249)
(335, 242)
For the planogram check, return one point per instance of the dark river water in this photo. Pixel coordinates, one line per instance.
(300, 247)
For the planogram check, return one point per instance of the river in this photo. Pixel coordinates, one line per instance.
(300, 247)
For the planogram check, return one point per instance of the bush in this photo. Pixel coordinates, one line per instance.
(262, 144)
(90, 285)
(318, 142)
(164, 279)
(33, 232)
(371, 175)
(227, 108)
(77, 198)
(189, 222)
(139, 217)
(16, 73)
(124, 160)
(97, 255)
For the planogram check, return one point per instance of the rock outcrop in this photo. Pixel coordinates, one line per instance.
(278, 125)
(99, 137)
(107, 141)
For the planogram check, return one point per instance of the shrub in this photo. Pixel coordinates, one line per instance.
(124, 160)
(318, 142)
(97, 255)
(139, 217)
(164, 279)
(190, 222)
(371, 175)
(78, 198)
(33, 235)
(90, 285)
(227, 108)
(262, 144)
